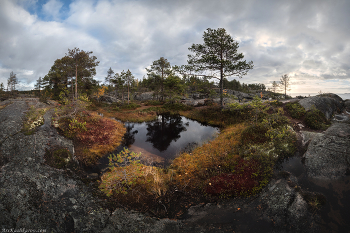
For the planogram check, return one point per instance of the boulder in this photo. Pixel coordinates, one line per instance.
(192, 102)
(108, 99)
(328, 104)
(286, 207)
(225, 100)
(144, 96)
(278, 208)
(328, 154)
(347, 105)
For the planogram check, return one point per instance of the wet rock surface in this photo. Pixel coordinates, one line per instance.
(328, 155)
(278, 208)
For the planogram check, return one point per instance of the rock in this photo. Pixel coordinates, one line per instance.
(144, 96)
(287, 207)
(192, 102)
(327, 104)
(242, 95)
(93, 176)
(108, 99)
(225, 101)
(347, 105)
(341, 118)
(308, 136)
(328, 155)
(132, 221)
(198, 96)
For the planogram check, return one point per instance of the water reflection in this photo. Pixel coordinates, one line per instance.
(162, 132)
(164, 138)
(129, 136)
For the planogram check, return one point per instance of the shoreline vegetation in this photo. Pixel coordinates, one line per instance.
(238, 162)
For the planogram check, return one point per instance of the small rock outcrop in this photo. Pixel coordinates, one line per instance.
(328, 104)
(108, 99)
(278, 208)
(328, 154)
(347, 105)
(144, 96)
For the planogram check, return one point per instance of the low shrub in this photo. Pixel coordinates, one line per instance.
(315, 119)
(128, 176)
(176, 106)
(242, 181)
(254, 134)
(295, 110)
(93, 134)
(153, 103)
(275, 103)
(130, 106)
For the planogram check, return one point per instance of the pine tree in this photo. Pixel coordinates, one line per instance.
(219, 54)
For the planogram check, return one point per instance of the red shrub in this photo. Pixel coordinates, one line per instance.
(242, 181)
(99, 131)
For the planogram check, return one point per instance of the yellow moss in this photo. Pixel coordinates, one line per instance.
(208, 159)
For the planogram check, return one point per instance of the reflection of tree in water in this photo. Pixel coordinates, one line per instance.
(129, 136)
(163, 132)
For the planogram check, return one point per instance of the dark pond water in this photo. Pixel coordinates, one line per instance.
(335, 214)
(162, 140)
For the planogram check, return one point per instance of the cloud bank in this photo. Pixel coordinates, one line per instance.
(308, 40)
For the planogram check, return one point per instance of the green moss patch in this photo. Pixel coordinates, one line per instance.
(58, 158)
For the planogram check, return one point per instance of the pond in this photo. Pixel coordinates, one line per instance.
(160, 141)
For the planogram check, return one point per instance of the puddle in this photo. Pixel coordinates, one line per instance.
(160, 141)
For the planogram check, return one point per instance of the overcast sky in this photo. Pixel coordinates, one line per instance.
(308, 40)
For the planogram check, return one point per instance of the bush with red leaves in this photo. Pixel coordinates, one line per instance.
(98, 131)
(242, 181)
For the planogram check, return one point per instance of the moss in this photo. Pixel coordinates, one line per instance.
(295, 110)
(58, 158)
(34, 118)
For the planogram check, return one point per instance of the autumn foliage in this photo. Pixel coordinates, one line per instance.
(217, 169)
(94, 135)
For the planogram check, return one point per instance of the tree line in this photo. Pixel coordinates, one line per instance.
(217, 58)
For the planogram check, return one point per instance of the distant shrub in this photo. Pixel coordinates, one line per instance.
(129, 106)
(153, 102)
(295, 110)
(276, 103)
(176, 106)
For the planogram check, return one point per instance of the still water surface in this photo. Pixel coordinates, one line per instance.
(162, 140)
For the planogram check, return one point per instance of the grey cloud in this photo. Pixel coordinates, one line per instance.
(280, 37)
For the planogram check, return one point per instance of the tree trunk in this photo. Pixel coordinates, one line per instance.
(221, 88)
(76, 82)
(128, 93)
